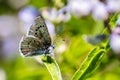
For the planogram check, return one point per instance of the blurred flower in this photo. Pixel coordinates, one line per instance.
(2, 74)
(64, 14)
(27, 16)
(49, 13)
(99, 9)
(80, 7)
(10, 34)
(55, 15)
(8, 25)
(100, 12)
(113, 5)
(85, 7)
(10, 46)
(115, 40)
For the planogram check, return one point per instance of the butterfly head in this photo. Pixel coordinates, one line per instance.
(50, 49)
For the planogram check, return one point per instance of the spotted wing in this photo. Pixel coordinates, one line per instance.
(40, 31)
(30, 46)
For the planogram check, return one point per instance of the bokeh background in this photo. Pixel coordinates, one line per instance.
(75, 27)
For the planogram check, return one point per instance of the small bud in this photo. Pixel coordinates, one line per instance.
(94, 40)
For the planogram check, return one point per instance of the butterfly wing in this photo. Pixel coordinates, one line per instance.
(31, 46)
(40, 31)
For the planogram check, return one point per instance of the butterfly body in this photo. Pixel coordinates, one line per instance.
(37, 41)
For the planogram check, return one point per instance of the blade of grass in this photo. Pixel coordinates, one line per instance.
(52, 67)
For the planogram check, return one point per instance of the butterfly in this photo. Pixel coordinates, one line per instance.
(37, 41)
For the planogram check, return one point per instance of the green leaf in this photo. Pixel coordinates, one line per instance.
(52, 67)
(91, 62)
